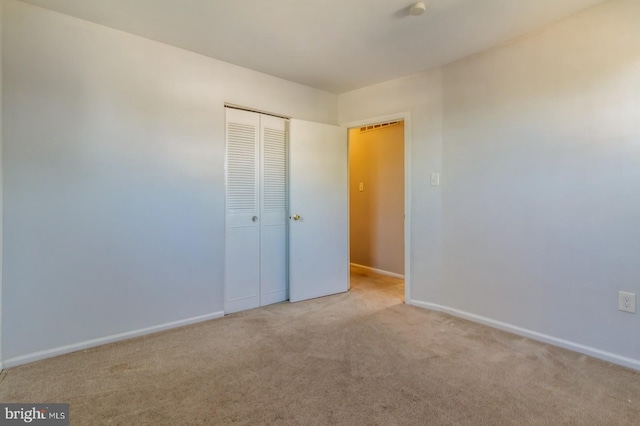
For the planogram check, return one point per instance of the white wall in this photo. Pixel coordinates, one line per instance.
(421, 96)
(114, 181)
(542, 189)
(541, 176)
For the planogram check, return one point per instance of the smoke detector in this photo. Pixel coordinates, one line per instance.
(417, 8)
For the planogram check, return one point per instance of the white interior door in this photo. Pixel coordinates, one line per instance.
(318, 209)
(242, 237)
(273, 210)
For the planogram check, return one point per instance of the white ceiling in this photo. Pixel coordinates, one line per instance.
(335, 45)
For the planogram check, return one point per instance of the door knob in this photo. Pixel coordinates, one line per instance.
(254, 219)
(296, 217)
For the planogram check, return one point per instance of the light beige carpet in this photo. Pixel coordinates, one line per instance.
(359, 358)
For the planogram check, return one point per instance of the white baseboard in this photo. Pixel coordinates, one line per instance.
(49, 353)
(534, 335)
(378, 271)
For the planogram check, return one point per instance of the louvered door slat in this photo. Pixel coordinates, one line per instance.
(242, 190)
(274, 169)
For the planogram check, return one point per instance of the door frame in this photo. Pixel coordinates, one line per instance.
(406, 118)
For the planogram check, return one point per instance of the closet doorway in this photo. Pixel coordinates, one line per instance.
(286, 230)
(377, 205)
(256, 210)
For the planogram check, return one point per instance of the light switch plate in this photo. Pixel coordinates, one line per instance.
(435, 179)
(361, 186)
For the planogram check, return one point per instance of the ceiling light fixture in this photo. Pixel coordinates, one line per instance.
(417, 8)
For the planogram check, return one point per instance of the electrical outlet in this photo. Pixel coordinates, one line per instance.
(627, 302)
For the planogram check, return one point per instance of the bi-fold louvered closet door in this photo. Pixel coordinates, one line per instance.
(256, 210)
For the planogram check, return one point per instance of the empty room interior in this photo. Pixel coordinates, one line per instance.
(320, 212)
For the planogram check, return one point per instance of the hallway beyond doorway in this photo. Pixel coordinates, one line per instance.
(389, 287)
(377, 197)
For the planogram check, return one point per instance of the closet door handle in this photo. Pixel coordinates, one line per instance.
(297, 217)
(254, 219)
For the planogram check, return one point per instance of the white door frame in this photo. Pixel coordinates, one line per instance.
(406, 117)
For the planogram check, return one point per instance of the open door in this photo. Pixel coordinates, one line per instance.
(318, 210)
